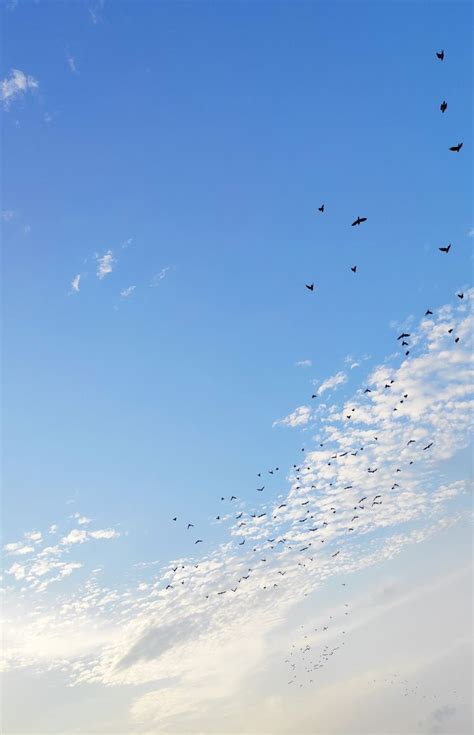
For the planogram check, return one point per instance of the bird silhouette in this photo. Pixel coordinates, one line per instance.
(190, 525)
(310, 287)
(359, 221)
(261, 489)
(443, 106)
(354, 268)
(403, 335)
(446, 249)
(321, 208)
(440, 55)
(460, 295)
(428, 312)
(199, 541)
(456, 148)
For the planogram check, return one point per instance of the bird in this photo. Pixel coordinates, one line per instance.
(321, 208)
(190, 525)
(310, 287)
(367, 390)
(314, 395)
(261, 489)
(199, 541)
(403, 335)
(175, 518)
(443, 106)
(446, 249)
(337, 552)
(428, 446)
(233, 497)
(359, 221)
(440, 55)
(428, 312)
(353, 268)
(460, 295)
(241, 543)
(456, 148)
(411, 441)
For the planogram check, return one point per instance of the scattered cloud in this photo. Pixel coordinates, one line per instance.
(75, 283)
(299, 417)
(127, 243)
(15, 86)
(127, 292)
(155, 281)
(72, 64)
(105, 264)
(303, 363)
(8, 215)
(333, 382)
(471, 232)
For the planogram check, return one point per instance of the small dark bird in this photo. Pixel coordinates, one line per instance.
(460, 295)
(403, 335)
(412, 441)
(233, 497)
(456, 340)
(190, 525)
(446, 249)
(353, 268)
(321, 208)
(456, 148)
(310, 287)
(440, 55)
(337, 552)
(241, 543)
(367, 390)
(261, 489)
(359, 221)
(199, 541)
(443, 106)
(314, 395)
(283, 505)
(428, 446)
(450, 330)
(428, 312)
(239, 516)
(169, 587)
(364, 498)
(175, 519)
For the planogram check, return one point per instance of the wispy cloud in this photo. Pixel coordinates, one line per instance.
(127, 292)
(299, 417)
(8, 214)
(15, 86)
(303, 363)
(105, 264)
(155, 281)
(75, 283)
(72, 64)
(333, 382)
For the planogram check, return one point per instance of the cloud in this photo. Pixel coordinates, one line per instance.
(104, 533)
(18, 548)
(17, 85)
(75, 283)
(333, 382)
(303, 363)
(75, 536)
(105, 264)
(155, 281)
(72, 64)
(127, 292)
(82, 520)
(8, 215)
(299, 417)
(471, 232)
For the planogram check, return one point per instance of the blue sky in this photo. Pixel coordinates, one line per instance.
(190, 145)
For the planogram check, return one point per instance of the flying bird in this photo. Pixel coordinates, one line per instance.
(403, 335)
(460, 295)
(427, 312)
(310, 287)
(337, 552)
(428, 446)
(446, 249)
(456, 148)
(199, 541)
(190, 525)
(359, 221)
(440, 55)
(321, 208)
(261, 489)
(443, 106)
(353, 268)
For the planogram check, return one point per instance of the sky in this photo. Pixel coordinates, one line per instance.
(162, 169)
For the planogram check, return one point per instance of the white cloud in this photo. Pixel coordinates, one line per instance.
(105, 264)
(299, 417)
(75, 536)
(127, 291)
(104, 533)
(82, 520)
(303, 363)
(155, 281)
(53, 528)
(15, 86)
(72, 64)
(18, 548)
(8, 215)
(333, 382)
(127, 243)
(35, 536)
(75, 283)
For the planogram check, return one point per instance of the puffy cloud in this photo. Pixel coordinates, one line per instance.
(17, 85)
(105, 264)
(18, 548)
(104, 533)
(76, 536)
(299, 417)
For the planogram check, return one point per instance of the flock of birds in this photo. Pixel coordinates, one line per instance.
(316, 522)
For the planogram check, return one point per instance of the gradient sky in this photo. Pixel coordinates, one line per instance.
(162, 168)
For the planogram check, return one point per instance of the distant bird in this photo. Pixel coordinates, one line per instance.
(261, 489)
(427, 312)
(412, 441)
(241, 543)
(456, 148)
(337, 552)
(233, 497)
(403, 335)
(321, 208)
(310, 287)
(460, 295)
(443, 106)
(175, 518)
(314, 395)
(440, 55)
(199, 541)
(364, 498)
(428, 446)
(283, 505)
(353, 268)
(367, 390)
(169, 587)
(456, 340)
(239, 516)
(446, 249)
(359, 221)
